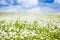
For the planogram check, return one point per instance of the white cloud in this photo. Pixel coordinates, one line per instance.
(43, 10)
(19, 8)
(3, 2)
(58, 1)
(24, 8)
(28, 1)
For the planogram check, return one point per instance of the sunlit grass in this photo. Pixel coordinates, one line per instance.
(30, 27)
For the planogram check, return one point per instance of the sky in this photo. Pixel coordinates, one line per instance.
(30, 6)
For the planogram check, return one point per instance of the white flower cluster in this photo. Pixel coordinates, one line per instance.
(29, 27)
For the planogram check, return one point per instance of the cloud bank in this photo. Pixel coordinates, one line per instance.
(29, 6)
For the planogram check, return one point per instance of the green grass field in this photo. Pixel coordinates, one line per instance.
(29, 27)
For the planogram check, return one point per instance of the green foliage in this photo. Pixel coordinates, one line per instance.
(24, 30)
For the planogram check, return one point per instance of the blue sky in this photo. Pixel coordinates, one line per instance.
(30, 6)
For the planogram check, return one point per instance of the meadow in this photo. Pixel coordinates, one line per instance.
(29, 27)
